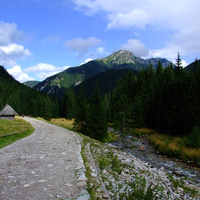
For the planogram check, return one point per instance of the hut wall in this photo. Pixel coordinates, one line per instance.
(10, 117)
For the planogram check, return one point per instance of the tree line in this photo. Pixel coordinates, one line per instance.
(167, 100)
(25, 100)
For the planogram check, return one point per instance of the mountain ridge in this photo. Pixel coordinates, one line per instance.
(72, 76)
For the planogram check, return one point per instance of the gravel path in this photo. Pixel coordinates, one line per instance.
(45, 165)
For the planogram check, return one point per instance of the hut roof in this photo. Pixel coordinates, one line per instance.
(8, 110)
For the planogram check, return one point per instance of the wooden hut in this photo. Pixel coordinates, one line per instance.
(8, 113)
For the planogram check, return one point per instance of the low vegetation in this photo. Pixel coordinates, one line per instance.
(65, 123)
(172, 146)
(184, 148)
(175, 146)
(113, 166)
(13, 130)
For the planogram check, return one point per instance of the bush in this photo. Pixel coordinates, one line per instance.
(193, 139)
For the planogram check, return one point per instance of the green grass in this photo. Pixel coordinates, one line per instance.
(18, 126)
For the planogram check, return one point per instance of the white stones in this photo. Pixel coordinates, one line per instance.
(84, 197)
(133, 171)
(94, 174)
(82, 177)
(66, 168)
(26, 185)
(79, 166)
(41, 181)
(81, 184)
(68, 184)
(83, 191)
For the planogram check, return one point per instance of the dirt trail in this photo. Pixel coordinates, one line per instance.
(41, 166)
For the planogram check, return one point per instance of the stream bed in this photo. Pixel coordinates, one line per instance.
(142, 149)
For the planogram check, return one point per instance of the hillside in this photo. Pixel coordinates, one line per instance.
(106, 81)
(75, 75)
(25, 100)
(191, 66)
(56, 84)
(31, 84)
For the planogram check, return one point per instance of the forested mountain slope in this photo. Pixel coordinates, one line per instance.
(106, 82)
(191, 66)
(75, 75)
(25, 100)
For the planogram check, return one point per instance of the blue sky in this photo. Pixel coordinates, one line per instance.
(39, 38)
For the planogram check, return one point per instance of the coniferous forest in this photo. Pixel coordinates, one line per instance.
(166, 100)
(24, 99)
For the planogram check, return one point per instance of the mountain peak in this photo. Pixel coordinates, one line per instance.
(120, 57)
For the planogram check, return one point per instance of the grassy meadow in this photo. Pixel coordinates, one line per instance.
(19, 127)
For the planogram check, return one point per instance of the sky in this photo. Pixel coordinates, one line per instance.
(39, 38)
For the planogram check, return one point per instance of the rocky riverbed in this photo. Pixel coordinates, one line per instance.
(141, 148)
(118, 174)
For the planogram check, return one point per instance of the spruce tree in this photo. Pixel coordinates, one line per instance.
(81, 113)
(96, 123)
(68, 109)
(178, 67)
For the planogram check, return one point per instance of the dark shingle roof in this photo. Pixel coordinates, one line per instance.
(8, 110)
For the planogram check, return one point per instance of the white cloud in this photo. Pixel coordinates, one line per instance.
(43, 75)
(9, 33)
(101, 51)
(82, 45)
(136, 18)
(18, 74)
(135, 46)
(93, 6)
(44, 70)
(169, 53)
(10, 53)
(86, 61)
(178, 20)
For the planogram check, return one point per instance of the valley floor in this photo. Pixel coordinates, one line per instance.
(55, 163)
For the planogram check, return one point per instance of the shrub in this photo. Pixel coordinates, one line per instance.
(193, 139)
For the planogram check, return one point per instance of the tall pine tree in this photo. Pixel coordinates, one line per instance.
(81, 113)
(96, 123)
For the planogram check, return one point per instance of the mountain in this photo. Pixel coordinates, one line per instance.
(191, 66)
(73, 76)
(106, 81)
(31, 84)
(122, 58)
(25, 100)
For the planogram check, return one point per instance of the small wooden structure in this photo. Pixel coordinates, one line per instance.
(8, 113)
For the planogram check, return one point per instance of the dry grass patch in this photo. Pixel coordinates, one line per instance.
(191, 154)
(65, 123)
(174, 147)
(143, 131)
